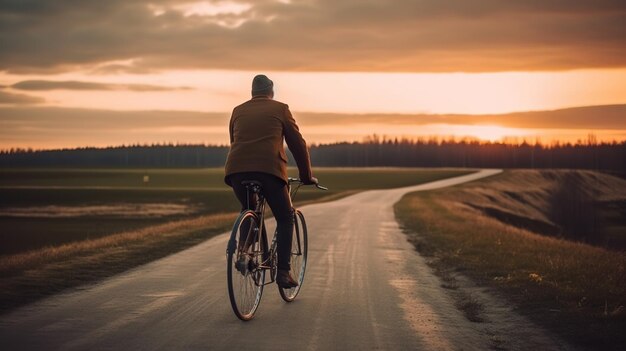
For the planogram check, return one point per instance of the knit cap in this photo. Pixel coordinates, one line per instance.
(261, 84)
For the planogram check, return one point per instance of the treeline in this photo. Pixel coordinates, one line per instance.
(372, 152)
(132, 156)
(471, 153)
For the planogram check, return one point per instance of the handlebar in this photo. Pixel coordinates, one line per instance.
(297, 180)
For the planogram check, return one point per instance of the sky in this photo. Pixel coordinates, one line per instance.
(96, 73)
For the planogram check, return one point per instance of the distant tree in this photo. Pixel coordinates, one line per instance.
(373, 151)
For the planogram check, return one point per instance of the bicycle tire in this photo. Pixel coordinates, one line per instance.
(299, 249)
(245, 279)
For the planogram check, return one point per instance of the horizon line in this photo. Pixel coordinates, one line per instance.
(367, 140)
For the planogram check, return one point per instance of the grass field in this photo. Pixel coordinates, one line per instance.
(48, 207)
(66, 227)
(485, 230)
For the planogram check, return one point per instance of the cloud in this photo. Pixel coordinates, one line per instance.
(120, 68)
(587, 117)
(59, 118)
(19, 99)
(49, 127)
(44, 85)
(309, 35)
(52, 118)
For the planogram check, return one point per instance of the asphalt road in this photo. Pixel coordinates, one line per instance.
(365, 288)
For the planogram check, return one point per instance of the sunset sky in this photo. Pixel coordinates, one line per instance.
(96, 73)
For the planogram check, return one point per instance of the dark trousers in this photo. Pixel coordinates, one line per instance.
(276, 193)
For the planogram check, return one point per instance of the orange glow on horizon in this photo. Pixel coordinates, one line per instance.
(490, 133)
(348, 93)
(320, 135)
(341, 92)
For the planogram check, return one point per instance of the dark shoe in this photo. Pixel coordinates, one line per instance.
(284, 279)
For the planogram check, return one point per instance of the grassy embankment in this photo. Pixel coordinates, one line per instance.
(489, 230)
(46, 251)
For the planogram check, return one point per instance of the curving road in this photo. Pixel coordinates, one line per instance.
(366, 288)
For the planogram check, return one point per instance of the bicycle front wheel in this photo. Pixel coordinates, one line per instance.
(299, 245)
(245, 255)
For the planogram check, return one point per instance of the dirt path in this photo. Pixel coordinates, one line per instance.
(366, 288)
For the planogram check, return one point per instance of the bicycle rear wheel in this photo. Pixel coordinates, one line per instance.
(244, 257)
(299, 245)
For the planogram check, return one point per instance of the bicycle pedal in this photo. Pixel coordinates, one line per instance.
(241, 265)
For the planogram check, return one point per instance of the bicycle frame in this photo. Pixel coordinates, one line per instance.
(250, 256)
(259, 208)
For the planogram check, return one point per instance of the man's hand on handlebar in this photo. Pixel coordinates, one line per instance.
(311, 181)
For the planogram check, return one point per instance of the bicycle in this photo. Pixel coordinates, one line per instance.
(249, 257)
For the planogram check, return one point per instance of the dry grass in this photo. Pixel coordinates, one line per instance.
(150, 236)
(31, 275)
(568, 204)
(471, 308)
(575, 289)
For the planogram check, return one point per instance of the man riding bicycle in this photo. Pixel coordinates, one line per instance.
(258, 128)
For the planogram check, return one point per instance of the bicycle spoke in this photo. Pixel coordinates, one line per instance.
(245, 280)
(298, 257)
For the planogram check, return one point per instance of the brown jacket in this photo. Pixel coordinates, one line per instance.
(257, 128)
